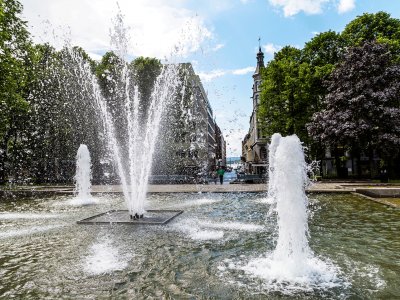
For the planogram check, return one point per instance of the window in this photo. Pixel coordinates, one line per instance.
(258, 83)
(263, 153)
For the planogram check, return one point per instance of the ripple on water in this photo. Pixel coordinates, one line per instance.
(27, 231)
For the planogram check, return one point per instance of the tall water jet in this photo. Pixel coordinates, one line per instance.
(290, 175)
(292, 264)
(129, 133)
(83, 177)
(275, 139)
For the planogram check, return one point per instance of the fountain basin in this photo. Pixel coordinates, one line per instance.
(386, 192)
(151, 217)
(202, 253)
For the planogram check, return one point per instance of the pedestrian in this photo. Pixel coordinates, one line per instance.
(221, 173)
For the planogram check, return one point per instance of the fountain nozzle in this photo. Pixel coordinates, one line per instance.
(136, 216)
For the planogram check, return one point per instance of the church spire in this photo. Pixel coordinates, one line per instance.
(260, 58)
(260, 55)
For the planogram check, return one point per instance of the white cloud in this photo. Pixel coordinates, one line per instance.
(208, 76)
(217, 47)
(293, 7)
(243, 71)
(211, 75)
(95, 56)
(156, 27)
(315, 32)
(346, 5)
(271, 48)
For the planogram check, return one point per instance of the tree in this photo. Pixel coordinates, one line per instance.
(145, 71)
(322, 53)
(380, 27)
(14, 58)
(362, 105)
(285, 105)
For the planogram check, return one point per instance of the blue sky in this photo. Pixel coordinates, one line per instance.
(220, 37)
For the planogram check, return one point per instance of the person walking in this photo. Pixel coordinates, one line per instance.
(221, 173)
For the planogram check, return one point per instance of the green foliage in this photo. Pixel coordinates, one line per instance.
(325, 48)
(296, 82)
(14, 60)
(145, 71)
(362, 106)
(284, 105)
(380, 27)
(372, 27)
(292, 87)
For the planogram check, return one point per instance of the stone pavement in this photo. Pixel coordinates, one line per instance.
(322, 187)
(317, 187)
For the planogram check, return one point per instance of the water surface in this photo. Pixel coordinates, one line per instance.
(200, 254)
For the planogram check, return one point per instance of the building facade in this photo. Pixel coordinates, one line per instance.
(189, 143)
(220, 147)
(254, 144)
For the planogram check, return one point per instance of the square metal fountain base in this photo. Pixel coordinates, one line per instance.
(151, 217)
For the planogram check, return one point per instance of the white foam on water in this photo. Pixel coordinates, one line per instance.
(208, 230)
(34, 216)
(82, 201)
(197, 202)
(28, 231)
(192, 229)
(203, 235)
(288, 275)
(367, 273)
(266, 200)
(231, 226)
(104, 258)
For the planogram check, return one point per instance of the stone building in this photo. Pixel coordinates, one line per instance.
(254, 144)
(188, 142)
(220, 147)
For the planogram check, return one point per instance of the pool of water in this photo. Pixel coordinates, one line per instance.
(202, 253)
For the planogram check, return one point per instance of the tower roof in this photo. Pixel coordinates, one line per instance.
(260, 59)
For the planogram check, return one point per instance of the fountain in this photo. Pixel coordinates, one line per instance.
(133, 144)
(223, 247)
(82, 178)
(292, 263)
(275, 138)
